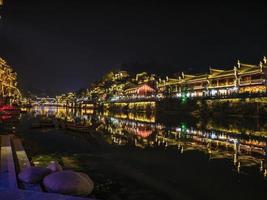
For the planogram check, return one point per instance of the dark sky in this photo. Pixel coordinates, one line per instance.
(60, 45)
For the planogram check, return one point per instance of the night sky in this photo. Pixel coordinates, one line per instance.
(58, 45)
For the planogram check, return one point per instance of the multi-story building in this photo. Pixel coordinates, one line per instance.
(243, 78)
(222, 82)
(169, 86)
(194, 85)
(252, 78)
(120, 75)
(120, 87)
(9, 92)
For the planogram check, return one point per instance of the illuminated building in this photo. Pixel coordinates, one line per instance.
(144, 77)
(87, 105)
(241, 79)
(1, 4)
(171, 85)
(121, 88)
(222, 82)
(189, 85)
(194, 85)
(120, 75)
(252, 78)
(44, 101)
(140, 90)
(244, 78)
(9, 93)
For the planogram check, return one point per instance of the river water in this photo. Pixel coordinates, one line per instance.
(139, 156)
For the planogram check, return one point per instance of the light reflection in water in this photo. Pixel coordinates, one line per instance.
(143, 131)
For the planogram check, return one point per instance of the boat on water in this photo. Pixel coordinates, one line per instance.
(43, 123)
(77, 127)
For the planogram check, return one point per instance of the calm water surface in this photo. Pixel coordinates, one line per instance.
(142, 156)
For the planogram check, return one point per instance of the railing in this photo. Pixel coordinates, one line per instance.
(253, 81)
(198, 87)
(221, 85)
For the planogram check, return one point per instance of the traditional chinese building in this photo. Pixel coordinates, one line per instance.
(252, 78)
(120, 87)
(140, 90)
(9, 93)
(144, 77)
(120, 75)
(194, 85)
(171, 86)
(245, 78)
(222, 82)
(189, 85)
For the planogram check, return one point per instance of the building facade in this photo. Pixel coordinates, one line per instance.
(9, 92)
(243, 78)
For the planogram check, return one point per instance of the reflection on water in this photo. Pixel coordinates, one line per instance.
(245, 147)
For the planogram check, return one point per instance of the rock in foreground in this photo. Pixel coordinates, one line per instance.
(33, 174)
(54, 166)
(68, 182)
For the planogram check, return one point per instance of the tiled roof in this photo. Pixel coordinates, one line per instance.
(248, 69)
(195, 78)
(171, 81)
(215, 73)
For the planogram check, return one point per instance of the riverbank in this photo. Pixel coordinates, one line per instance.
(236, 106)
(228, 107)
(13, 161)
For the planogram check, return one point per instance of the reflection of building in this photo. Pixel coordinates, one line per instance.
(46, 101)
(68, 100)
(242, 151)
(125, 131)
(9, 93)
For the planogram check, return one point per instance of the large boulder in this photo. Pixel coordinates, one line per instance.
(54, 166)
(69, 182)
(33, 174)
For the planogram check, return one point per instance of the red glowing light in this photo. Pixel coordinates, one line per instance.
(7, 107)
(5, 117)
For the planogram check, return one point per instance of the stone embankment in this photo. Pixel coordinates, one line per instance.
(20, 180)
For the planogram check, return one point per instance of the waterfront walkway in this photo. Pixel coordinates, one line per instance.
(13, 159)
(19, 194)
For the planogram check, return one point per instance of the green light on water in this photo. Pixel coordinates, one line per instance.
(183, 127)
(184, 98)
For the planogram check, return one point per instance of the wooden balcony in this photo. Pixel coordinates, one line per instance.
(251, 82)
(221, 85)
(199, 87)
